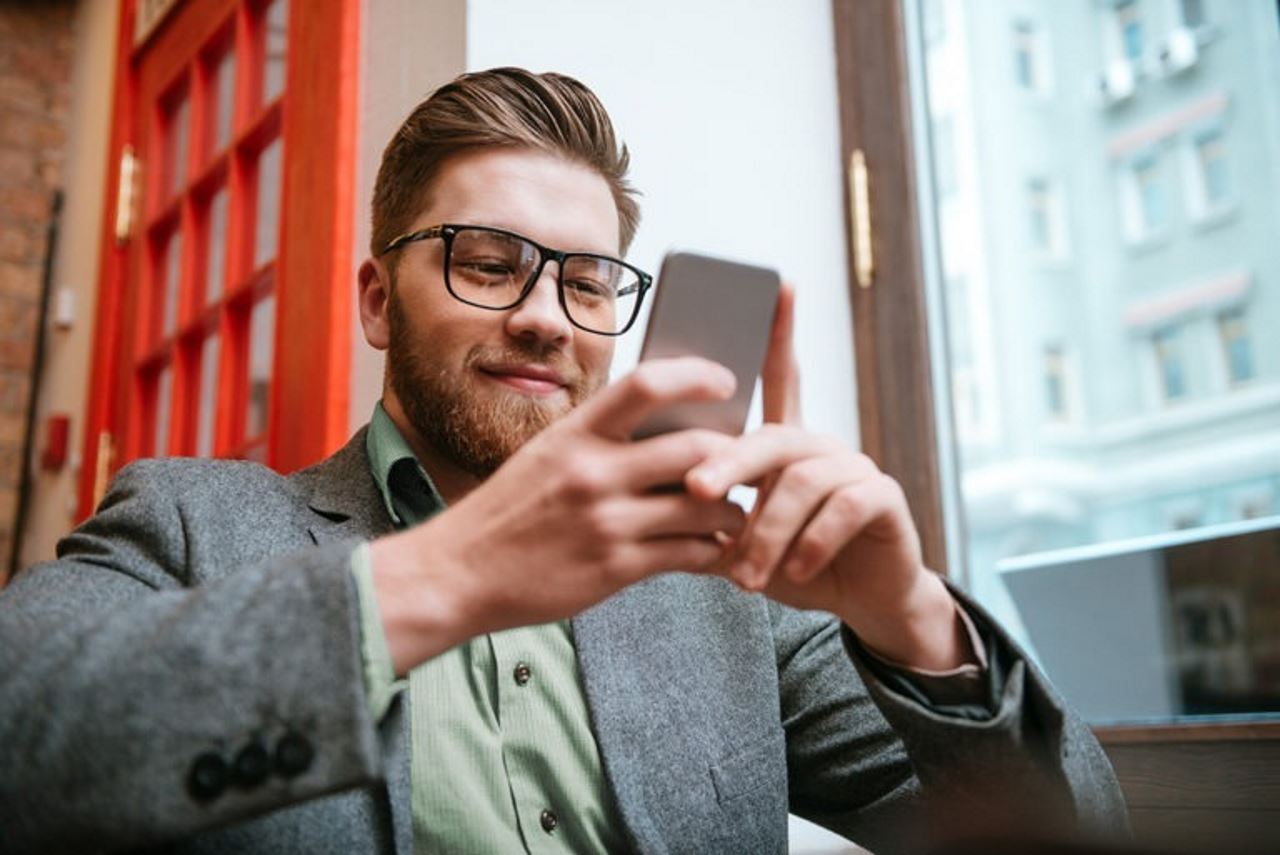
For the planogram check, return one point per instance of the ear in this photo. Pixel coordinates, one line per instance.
(375, 296)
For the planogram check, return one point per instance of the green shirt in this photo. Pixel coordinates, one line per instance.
(504, 759)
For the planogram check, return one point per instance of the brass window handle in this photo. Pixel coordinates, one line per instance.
(864, 264)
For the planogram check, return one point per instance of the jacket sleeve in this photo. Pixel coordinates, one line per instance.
(136, 707)
(894, 772)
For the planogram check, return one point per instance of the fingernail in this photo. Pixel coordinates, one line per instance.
(743, 573)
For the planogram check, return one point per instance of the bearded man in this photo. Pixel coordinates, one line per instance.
(464, 631)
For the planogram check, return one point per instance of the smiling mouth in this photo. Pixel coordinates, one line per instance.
(529, 380)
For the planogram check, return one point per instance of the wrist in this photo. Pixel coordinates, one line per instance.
(923, 630)
(422, 616)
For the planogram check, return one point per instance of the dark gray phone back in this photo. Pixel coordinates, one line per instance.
(717, 309)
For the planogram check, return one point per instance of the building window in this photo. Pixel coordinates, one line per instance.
(1192, 13)
(1045, 218)
(1055, 382)
(1211, 165)
(1129, 24)
(1171, 363)
(1146, 197)
(1236, 346)
(1026, 50)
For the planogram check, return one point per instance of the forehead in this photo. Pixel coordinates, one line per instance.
(553, 200)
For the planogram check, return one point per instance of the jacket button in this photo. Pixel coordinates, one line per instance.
(549, 821)
(522, 673)
(208, 777)
(293, 755)
(251, 765)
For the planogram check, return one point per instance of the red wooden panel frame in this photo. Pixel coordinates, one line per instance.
(311, 274)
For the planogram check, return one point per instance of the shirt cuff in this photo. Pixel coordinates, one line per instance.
(380, 681)
(964, 689)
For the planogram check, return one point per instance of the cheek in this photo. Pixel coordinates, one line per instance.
(595, 355)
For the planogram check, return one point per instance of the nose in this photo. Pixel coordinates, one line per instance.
(540, 317)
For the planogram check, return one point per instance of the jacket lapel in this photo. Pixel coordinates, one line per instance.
(342, 495)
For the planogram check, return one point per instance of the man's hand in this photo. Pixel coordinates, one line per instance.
(830, 530)
(577, 514)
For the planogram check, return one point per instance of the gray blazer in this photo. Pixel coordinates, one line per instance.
(209, 606)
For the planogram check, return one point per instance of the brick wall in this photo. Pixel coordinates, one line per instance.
(35, 74)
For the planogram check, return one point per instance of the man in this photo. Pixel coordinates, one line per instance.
(461, 633)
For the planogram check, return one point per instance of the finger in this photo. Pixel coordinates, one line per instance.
(752, 457)
(780, 377)
(663, 555)
(663, 460)
(678, 514)
(799, 493)
(618, 409)
(844, 516)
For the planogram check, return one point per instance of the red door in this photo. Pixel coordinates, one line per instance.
(224, 300)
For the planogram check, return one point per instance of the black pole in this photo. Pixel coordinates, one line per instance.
(37, 369)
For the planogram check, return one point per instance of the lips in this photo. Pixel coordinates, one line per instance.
(530, 378)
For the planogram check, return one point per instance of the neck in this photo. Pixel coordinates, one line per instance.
(452, 482)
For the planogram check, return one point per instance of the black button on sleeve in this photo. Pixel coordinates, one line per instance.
(293, 755)
(522, 673)
(252, 765)
(208, 777)
(549, 821)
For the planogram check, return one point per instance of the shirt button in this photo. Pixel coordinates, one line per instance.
(549, 821)
(522, 674)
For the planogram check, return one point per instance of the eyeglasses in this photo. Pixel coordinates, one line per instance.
(496, 269)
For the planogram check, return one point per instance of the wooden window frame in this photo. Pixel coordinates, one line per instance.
(317, 120)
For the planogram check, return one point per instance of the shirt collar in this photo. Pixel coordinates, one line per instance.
(405, 487)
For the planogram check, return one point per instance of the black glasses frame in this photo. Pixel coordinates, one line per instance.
(448, 231)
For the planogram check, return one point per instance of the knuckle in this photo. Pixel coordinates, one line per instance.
(847, 500)
(583, 480)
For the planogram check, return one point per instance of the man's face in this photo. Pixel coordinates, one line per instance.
(476, 384)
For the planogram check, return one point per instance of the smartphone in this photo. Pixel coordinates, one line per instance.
(717, 309)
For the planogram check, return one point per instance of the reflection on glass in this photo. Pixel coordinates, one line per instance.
(208, 396)
(172, 274)
(216, 247)
(262, 331)
(164, 411)
(224, 93)
(274, 46)
(1110, 378)
(267, 233)
(176, 155)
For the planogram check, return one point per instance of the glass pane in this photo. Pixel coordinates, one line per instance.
(216, 247)
(274, 44)
(171, 275)
(268, 210)
(164, 411)
(208, 404)
(262, 331)
(224, 85)
(178, 125)
(1106, 285)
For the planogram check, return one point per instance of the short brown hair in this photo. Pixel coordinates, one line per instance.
(499, 108)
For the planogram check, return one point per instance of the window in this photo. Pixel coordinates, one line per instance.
(1145, 202)
(1170, 363)
(1236, 346)
(1045, 221)
(1211, 169)
(1026, 57)
(1129, 24)
(1055, 382)
(1192, 12)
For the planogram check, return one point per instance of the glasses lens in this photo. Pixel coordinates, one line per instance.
(600, 294)
(489, 268)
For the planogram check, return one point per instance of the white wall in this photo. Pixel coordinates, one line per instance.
(730, 113)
